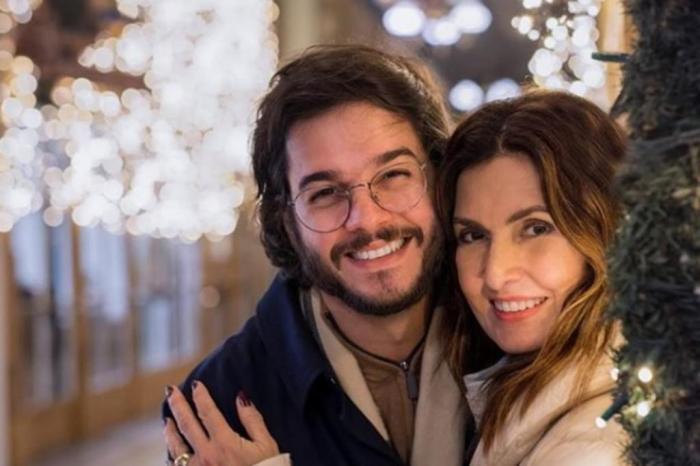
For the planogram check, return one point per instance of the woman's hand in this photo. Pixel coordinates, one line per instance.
(212, 439)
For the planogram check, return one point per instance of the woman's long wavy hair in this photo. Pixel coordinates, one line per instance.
(575, 148)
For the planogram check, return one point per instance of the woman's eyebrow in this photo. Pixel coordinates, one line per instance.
(467, 222)
(520, 214)
(525, 212)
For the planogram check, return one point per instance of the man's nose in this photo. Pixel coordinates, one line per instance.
(502, 265)
(365, 213)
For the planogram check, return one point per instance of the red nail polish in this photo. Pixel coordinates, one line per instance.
(244, 398)
(195, 384)
(168, 391)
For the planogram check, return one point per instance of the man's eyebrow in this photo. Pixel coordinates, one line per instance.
(332, 175)
(324, 175)
(467, 222)
(388, 156)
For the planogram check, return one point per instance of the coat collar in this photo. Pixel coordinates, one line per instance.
(520, 435)
(289, 340)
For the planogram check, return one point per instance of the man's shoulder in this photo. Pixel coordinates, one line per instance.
(275, 342)
(235, 355)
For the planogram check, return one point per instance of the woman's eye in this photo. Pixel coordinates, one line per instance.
(470, 236)
(538, 228)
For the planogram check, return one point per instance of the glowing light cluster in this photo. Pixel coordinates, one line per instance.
(19, 156)
(169, 160)
(567, 33)
(638, 403)
(406, 18)
(467, 95)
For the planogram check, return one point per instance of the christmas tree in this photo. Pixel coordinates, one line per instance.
(655, 266)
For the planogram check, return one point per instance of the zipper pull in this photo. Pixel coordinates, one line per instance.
(411, 382)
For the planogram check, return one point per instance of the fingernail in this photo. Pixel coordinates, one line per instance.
(195, 384)
(168, 391)
(243, 398)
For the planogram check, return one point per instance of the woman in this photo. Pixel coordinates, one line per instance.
(527, 191)
(526, 196)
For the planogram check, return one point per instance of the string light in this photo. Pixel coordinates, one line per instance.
(567, 33)
(645, 375)
(613, 409)
(643, 408)
(615, 373)
(637, 399)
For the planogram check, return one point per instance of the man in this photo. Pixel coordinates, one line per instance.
(342, 357)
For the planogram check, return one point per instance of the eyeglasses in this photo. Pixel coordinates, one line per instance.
(325, 207)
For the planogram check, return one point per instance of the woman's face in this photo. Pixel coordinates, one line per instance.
(515, 268)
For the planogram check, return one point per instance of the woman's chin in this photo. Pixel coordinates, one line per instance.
(515, 346)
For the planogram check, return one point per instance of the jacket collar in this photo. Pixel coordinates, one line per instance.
(520, 434)
(289, 340)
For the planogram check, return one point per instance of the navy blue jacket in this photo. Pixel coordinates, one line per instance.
(276, 360)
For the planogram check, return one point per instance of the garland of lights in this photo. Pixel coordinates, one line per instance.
(168, 161)
(567, 33)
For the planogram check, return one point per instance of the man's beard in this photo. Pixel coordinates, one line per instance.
(322, 277)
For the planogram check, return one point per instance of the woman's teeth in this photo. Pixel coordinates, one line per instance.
(379, 252)
(517, 306)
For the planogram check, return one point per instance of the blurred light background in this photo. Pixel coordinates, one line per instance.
(128, 246)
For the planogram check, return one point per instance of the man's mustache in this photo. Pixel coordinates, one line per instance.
(363, 238)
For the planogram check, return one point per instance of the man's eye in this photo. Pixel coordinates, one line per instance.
(322, 195)
(538, 228)
(470, 236)
(395, 173)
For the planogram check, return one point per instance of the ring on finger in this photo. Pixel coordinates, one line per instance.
(182, 460)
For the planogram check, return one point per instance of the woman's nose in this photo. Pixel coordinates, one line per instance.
(502, 265)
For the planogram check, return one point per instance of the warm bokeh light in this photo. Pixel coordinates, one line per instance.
(167, 161)
(567, 33)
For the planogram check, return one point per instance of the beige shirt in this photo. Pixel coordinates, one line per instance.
(394, 388)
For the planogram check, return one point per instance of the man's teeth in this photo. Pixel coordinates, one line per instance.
(517, 306)
(379, 252)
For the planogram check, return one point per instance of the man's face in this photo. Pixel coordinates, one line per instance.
(378, 262)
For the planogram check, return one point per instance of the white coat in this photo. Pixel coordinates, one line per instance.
(552, 432)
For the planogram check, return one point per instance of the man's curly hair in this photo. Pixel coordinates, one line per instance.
(322, 78)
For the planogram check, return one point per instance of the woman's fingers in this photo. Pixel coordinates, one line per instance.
(173, 441)
(207, 411)
(187, 422)
(252, 420)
